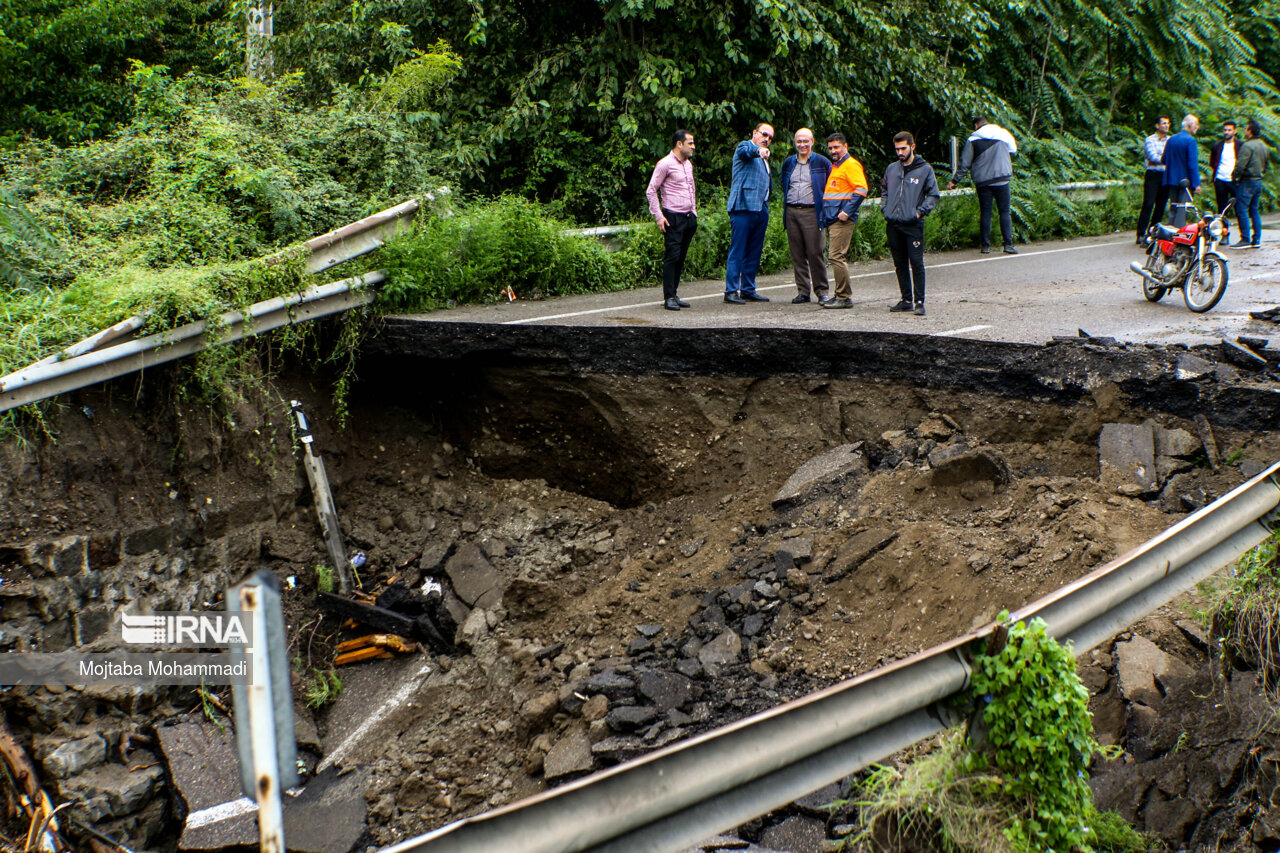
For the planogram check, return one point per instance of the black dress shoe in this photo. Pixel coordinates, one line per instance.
(754, 297)
(681, 302)
(732, 296)
(672, 305)
(823, 300)
(799, 300)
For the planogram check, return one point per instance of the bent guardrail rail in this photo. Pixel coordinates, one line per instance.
(322, 253)
(36, 383)
(689, 791)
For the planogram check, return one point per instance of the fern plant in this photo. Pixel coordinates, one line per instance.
(22, 239)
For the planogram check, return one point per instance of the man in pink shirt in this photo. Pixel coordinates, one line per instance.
(677, 215)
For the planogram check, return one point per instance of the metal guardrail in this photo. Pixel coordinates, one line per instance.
(687, 792)
(74, 368)
(1091, 187)
(48, 380)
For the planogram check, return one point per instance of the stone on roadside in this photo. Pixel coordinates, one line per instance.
(611, 684)
(112, 790)
(1126, 456)
(718, 654)
(798, 580)
(537, 712)
(826, 470)
(474, 578)
(571, 754)
(934, 428)
(595, 708)
(690, 547)
(1176, 442)
(798, 834)
(856, 551)
(666, 690)
(628, 718)
(1140, 664)
(76, 755)
(957, 467)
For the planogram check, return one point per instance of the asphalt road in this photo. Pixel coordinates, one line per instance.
(1047, 289)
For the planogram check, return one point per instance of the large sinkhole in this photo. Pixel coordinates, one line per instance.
(643, 533)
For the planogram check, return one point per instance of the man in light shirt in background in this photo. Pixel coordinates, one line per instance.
(676, 213)
(1155, 195)
(1222, 162)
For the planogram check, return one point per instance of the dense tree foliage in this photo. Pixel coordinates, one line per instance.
(569, 101)
(63, 62)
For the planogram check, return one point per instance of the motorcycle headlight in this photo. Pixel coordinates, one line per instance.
(1216, 229)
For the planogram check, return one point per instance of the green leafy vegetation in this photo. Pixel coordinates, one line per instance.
(1242, 609)
(1017, 780)
(323, 688)
(325, 578)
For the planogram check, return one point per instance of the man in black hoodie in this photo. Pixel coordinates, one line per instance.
(908, 191)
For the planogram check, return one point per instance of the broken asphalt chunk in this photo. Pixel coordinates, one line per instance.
(826, 470)
(1242, 356)
(1126, 455)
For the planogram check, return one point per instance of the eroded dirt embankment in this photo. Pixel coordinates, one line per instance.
(609, 539)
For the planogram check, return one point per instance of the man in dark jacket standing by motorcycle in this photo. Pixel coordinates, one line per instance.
(908, 191)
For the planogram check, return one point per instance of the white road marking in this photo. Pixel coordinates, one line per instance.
(960, 331)
(221, 812)
(648, 303)
(401, 695)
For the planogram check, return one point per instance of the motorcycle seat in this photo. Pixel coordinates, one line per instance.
(1164, 232)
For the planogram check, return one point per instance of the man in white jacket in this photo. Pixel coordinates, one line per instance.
(986, 158)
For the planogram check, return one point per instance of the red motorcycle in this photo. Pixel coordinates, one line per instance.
(1187, 258)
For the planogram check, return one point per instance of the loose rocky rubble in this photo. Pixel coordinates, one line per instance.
(781, 534)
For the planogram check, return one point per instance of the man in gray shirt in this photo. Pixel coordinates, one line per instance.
(804, 174)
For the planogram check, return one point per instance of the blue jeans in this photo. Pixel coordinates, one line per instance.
(746, 242)
(1247, 194)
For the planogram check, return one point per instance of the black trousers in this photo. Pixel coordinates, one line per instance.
(1179, 197)
(1000, 196)
(1223, 192)
(1155, 195)
(906, 244)
(679, 234)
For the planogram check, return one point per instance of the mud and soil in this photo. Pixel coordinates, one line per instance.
(609, 540)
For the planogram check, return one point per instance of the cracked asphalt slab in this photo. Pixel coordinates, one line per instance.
(1047, 289)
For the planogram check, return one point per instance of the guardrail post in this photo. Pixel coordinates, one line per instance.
(264, 707)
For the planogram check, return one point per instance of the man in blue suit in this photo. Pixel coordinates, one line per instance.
(750, 185)
(1182, 163)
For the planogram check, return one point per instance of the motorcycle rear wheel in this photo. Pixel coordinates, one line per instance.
(1153, 291)
(1204, 287)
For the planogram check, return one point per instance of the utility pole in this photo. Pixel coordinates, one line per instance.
(259, 60)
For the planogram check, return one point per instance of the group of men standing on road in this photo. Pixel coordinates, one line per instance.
(822, 197)
(1173, 176)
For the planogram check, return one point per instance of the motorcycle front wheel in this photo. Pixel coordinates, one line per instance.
(1205, 286)
(1153, 291)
